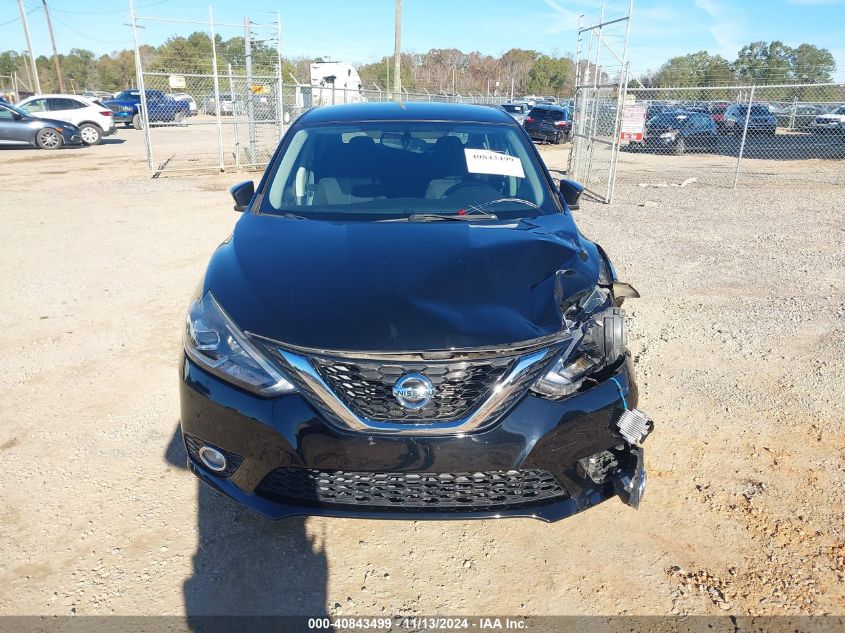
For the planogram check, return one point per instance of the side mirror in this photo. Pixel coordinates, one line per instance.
(242, 193)
(16, 116)
(571, 192)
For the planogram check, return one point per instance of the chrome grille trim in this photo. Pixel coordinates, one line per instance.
(521, 375)
(455, 353)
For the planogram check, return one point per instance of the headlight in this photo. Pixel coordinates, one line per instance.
(213, 341)
(602, 343)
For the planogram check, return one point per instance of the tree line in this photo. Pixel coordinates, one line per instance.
(437, 71)
(758, 63)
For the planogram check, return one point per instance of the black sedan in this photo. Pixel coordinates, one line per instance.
(20, 128)
(407, 323)
(548, 123)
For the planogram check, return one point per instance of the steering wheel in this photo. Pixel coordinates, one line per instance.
(466, 184)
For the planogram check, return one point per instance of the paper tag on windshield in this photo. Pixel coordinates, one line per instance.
(485, 161)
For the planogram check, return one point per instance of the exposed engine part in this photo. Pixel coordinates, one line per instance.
(599, 466)
(630, 484)
(635, 425)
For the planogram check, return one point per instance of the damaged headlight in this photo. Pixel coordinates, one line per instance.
(602, 342)
(213, 341)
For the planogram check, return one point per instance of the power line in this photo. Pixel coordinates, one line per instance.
(12, 21)
(141, 6)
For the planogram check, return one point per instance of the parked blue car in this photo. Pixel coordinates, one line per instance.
(127, 108)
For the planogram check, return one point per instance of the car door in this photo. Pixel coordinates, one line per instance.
(62, 109)
(12, 129)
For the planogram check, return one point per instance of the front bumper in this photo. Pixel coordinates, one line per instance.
(71, 138)
(288, 433)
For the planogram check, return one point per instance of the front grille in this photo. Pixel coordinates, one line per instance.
(367, 386)
(412, 492)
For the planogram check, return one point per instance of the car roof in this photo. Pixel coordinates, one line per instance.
(550, 106)
(56, 95)
(402, 111)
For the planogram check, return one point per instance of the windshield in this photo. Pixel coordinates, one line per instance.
(549, 114)
(516, 109)
(667, 119)
(393, 170)
(9, 106)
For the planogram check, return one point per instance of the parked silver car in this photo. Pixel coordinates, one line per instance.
(517, 110)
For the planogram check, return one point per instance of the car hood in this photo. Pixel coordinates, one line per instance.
(120, 102)
(400, 285)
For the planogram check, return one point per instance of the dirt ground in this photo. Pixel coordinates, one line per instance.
(738, 341)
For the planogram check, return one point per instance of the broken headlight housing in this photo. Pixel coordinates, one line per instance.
(599, 340)
(214, 342)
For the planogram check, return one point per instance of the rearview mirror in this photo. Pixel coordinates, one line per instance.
(242, 193)
(571, 192)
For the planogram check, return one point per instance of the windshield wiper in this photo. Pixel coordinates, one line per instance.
(479, 208)
(466, 217)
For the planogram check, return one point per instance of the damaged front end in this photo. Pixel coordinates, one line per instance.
(596, 323)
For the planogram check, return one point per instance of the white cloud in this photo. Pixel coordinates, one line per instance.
(727, 26)
(561, 19)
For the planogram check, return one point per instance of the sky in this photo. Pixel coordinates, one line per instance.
(361, 31)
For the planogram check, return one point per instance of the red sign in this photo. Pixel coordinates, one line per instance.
(633, 123)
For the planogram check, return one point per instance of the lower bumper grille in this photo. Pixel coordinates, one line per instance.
(412, 492)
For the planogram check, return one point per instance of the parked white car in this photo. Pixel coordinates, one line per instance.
(94, 120)
(192, 105)
(830, 122)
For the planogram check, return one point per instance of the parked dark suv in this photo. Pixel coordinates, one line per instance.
(548, 123)
(406, 322)
(676, 131)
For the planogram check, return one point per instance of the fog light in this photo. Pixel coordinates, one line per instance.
(212, 459)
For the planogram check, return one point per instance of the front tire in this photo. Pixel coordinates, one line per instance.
(91, 134)
(48, 138)
(680, 146)
(178, 118)
(136, 121)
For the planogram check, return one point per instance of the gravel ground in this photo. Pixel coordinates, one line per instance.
(738, 340)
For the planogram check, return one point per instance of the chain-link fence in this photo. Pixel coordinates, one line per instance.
(727, 135)
(231, 112)
(186, 131)
(595, 139)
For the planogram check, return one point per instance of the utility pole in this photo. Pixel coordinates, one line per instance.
(55, 52)
(397, 51)
(29, 47)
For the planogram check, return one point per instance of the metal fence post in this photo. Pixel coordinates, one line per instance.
(744, 134)
(250, 102)
(793, 111)
(235, 120)
(281, 102)
(139, 71)
(216, 89)
(621, 97)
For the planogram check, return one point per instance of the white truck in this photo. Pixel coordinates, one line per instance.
(334, 82)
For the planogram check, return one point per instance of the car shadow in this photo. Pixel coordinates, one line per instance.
(112, 141)
(246, 565)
